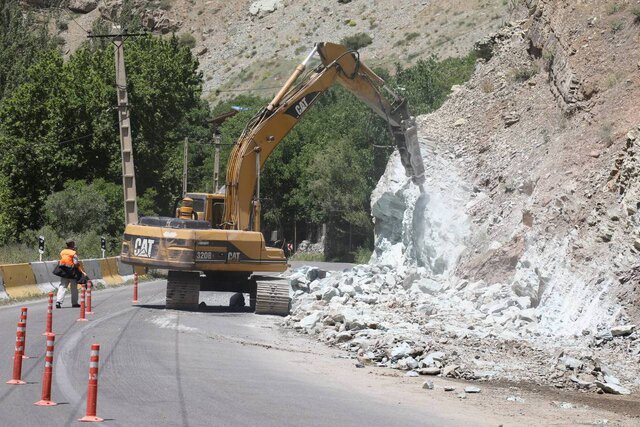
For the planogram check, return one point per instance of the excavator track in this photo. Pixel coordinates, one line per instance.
(183, 290)
(272, 297)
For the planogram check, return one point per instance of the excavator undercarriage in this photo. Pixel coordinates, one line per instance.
(267, 295)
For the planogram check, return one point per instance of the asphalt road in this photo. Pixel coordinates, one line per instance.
(170, 368)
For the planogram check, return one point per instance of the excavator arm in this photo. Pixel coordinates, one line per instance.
(269, 127)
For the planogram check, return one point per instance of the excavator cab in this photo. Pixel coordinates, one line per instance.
(201, 206)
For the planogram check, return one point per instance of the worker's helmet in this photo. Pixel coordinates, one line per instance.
(187, 202)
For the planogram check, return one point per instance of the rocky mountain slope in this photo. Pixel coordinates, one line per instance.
(521, 260)
(254, 45)
(534, 181)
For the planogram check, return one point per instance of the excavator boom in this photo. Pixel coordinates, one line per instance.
(267, 129)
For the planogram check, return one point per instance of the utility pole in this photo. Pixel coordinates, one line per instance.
(217, 122)
(216, 161)
(126, 144)
(185, 166)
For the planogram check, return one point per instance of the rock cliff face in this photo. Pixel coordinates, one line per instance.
(533, 179)
(521, 261)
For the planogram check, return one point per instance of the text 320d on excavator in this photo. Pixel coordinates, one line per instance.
(215, 242)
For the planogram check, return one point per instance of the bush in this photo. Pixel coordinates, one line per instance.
(362, 255)
(636, 14)
(606, 134)
(81, 208)
(487, 86)
(357, 41)
(615, 8)
(428, 83)
(8, 219)
(308, 256)
(187, 40)
(165, 4)
(16, 253)
(524, 74)
(411, 36)
(616, 26)
(408, 37)
(63, 26)
(88, 246)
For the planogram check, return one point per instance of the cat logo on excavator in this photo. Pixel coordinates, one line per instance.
(233, 257)
(298, 109)
(142, 247)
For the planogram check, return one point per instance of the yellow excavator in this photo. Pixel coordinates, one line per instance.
(214, 243)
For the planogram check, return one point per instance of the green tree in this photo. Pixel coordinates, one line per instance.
(428, 83)
(340, 183)
(61, 122)
(63, 209)
(32, 123)
(7, 221)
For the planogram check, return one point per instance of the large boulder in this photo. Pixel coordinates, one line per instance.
(39, 3)
(310, 321)
(622, 330)
(612, 388)
(428, 286)
(262, 7)
(400, 351)
(110, 9)
(83, 6)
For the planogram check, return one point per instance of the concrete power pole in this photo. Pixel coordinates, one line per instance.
(185, 166)
(126, 144)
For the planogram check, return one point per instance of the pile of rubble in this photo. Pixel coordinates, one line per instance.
(399, 319)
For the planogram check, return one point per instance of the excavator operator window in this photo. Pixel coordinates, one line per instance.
(218, 211)
(198, 204)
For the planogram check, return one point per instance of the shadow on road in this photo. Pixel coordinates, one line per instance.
(203, 308)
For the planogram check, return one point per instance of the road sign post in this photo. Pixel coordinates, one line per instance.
(103, 245)
(41, 246)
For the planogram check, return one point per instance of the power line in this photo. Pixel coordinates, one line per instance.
(242, 90)
(75, 139)
(205, 142)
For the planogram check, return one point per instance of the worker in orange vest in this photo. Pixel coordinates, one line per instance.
(69, 259)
